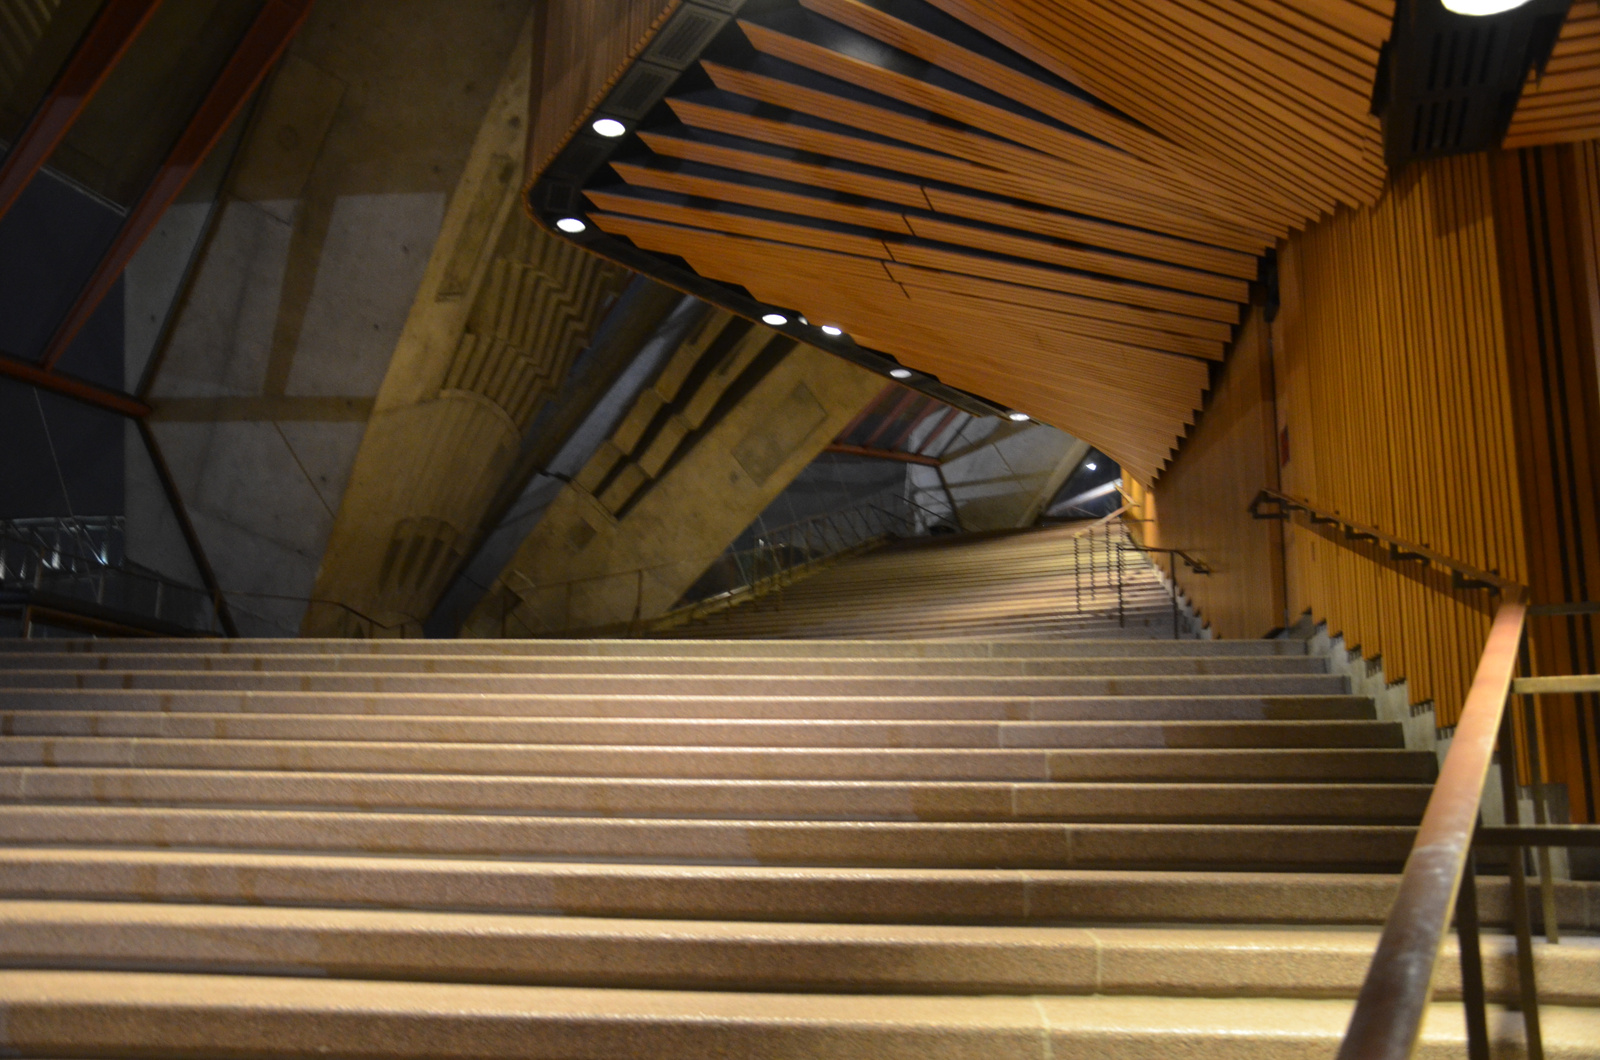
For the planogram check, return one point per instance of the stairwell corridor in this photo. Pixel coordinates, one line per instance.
(937, 802)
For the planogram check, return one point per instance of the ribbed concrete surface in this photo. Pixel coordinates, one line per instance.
(1081, 845)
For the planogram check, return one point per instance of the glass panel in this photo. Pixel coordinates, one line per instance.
(36, 37)
(133, 121)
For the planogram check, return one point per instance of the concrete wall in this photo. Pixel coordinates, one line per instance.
(999, 474)
(304, 286)
(584, 566)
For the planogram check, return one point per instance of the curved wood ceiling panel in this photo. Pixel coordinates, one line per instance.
(1056, 204)
(1564, 104)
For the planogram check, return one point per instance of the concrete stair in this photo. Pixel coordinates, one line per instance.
(1073, 580)
(977, 847)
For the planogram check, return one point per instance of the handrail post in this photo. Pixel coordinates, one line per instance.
(1529, 988)
(1471, 950)
(1172, 573)
(1122, 622)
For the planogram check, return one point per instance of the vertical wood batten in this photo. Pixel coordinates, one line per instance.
(1545, 205)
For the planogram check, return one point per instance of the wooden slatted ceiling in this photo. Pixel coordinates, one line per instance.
(969, 205)
(1280, 89)
(1564, 105)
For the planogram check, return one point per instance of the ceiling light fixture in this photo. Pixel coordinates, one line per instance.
(1091, 467)
(571, 225)
(829, 329)
(610, 128)
(1017, 417)
(1481, 7)
(776, 320)
(899, 373)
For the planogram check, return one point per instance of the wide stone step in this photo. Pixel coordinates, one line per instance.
(860, 708)
(1108, 666)
(846, 800)
(675, 684)
(57, 650)
(764, 842)
(736, 892)
(1223, 765)
(112, 1014)
(713, 955)
(705, 732)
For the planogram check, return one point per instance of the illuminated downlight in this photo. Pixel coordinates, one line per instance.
(829, 329)
(899, 373)
(776, 320)
(610, 128)
(1091, 467)
(1018, 417)
(1481, 7)
(571, 225)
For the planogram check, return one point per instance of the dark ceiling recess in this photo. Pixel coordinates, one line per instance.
(1447, 84)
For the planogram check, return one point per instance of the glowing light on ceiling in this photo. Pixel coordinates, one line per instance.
(1481, 7)
(609, 127)
(1018, 417)
(571, 225)
(829, 329)
(776, 320)
(899, 373)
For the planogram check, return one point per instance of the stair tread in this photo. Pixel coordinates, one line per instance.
(528, 949)
(187, 1013)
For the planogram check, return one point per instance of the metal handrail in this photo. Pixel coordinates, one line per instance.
(1463, 575)
(1439, 878)
(1387, 1021)
(49, 573)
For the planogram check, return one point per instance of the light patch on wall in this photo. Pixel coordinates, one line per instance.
(764, 449)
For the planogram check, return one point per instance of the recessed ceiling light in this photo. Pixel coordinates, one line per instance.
(609, 127)
(1091, 467)
(899, 373)
(1481, 7)
(776, 320)
(1018, 417)
(829, 329)
(571, 225)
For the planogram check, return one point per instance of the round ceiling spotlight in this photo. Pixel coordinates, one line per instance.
(1017, 417)
(571, 225)
(1481, 7)
(610, 128)
(776, 320)
(830, 330)
(899, 373)
(1091, 466)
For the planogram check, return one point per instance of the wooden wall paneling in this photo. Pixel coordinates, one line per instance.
(1389, 365)
(1544, 203)
(1201, 501)
(577, 58)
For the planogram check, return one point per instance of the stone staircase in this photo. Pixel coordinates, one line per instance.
(1028, 847)
(1061, 582)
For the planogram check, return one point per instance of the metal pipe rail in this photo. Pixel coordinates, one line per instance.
(1439, 879)
(1463, 576)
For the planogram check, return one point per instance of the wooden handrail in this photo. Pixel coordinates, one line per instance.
(1387, 1020)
